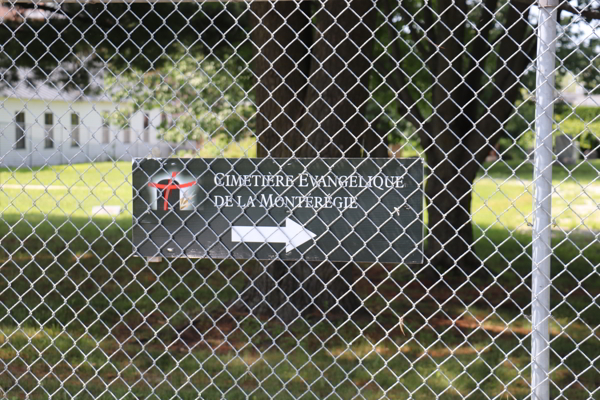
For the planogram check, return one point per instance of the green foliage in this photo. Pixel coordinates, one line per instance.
(82, 37)
(522, 119)
(586, 114)
(581, 123)
(578, 52)
(588, 134)
(204, 97)
(527, 139)
(577, 49)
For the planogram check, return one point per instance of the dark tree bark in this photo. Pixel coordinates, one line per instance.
(375, 142)
(460, 144)
(312, 103)
(311, 93)
(468, 111)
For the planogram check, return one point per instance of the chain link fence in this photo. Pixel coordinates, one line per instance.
(138, 260)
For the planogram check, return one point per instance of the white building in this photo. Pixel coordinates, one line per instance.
(580, 98)
(44, 125)
(575, 94)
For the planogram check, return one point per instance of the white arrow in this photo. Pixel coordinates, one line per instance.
(293, 235)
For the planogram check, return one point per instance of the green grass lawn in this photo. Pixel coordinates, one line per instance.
(80, 317)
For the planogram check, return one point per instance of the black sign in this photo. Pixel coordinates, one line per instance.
(312, 209)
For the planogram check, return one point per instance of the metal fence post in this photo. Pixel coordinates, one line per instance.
(541, 236)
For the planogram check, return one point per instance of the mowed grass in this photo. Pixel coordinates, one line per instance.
(81, 318)
(66, 191)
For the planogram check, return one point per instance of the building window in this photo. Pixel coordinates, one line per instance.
(74, 130)
(105, 131)
(127, 135)
(165, 122)
(146, 129)
(49, 128)
(20, 130)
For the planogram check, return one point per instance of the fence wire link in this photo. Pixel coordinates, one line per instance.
(85, 88)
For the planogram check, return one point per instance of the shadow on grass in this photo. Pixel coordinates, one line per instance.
(78, 311)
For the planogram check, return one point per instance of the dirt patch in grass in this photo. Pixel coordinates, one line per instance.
(461, 351)
(472, 323)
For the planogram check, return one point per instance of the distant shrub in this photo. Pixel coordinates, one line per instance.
(587, 133)
(586, 114)
(581, 123)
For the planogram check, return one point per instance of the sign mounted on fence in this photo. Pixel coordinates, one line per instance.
(313, 209)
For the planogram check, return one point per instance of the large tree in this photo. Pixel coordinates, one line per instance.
(457, 68)
(453, 69)
(455, 87)
(459, 102)
(312, 66)
(202, 96)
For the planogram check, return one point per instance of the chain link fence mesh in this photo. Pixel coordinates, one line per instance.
(85, 88)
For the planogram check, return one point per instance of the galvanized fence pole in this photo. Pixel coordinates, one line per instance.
(542, 207)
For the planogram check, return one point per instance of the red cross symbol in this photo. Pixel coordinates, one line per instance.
(170, 186)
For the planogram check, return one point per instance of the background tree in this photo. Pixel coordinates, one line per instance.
(457, 69)
(202, 98)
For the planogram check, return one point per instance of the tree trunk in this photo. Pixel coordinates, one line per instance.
(311, 93)
(281, 37)
(455, 144)
(450, 239)
(290, 289)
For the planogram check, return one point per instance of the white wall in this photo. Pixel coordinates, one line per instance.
(91, 141)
